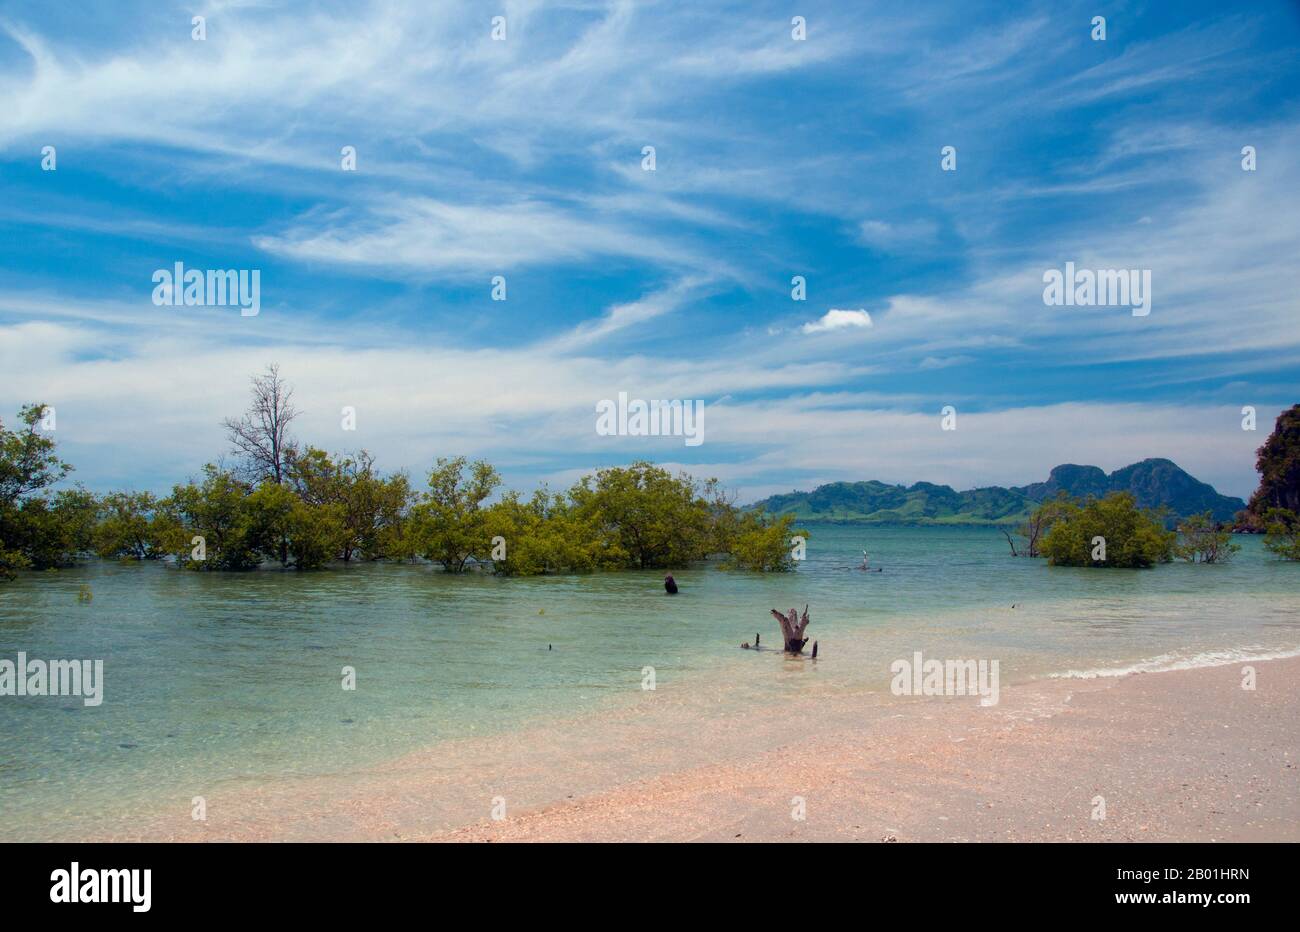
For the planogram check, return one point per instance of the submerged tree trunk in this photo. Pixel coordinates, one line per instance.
(792, 628)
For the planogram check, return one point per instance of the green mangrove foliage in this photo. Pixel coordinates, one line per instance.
(1201, 539)
(39, 528)
(1110, 532)
(1282, 533)
(301, 507)
(635, 517)
(763, 543)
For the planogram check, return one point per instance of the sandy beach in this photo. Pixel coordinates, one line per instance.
(1185, 755)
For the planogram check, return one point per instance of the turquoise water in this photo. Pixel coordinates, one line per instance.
(221, 677)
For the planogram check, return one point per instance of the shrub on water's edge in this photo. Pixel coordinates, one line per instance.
(1107, 532)
(1201, 539)
(1282, 533)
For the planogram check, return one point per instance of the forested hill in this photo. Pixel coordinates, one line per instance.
(1153, 482)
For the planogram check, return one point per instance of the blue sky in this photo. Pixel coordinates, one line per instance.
(774, 158)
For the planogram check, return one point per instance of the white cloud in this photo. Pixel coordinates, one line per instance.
(837, 319)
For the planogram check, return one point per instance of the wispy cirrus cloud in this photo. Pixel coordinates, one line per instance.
(621, 317)
(423, 235)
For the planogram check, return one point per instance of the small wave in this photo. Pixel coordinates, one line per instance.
(1166, 662)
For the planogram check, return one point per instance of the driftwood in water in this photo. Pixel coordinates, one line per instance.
(792, 628)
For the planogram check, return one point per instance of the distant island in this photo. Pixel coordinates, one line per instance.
(1154, 483)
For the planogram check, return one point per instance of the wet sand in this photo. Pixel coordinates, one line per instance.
(1177, 756)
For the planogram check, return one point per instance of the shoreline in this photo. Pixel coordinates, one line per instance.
(1182, 755)
(447, 721)
(1185, 755)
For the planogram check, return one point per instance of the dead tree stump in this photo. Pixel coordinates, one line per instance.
(792, 628)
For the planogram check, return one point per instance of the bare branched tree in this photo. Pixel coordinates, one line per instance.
(1037, 526)
(260, 439)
